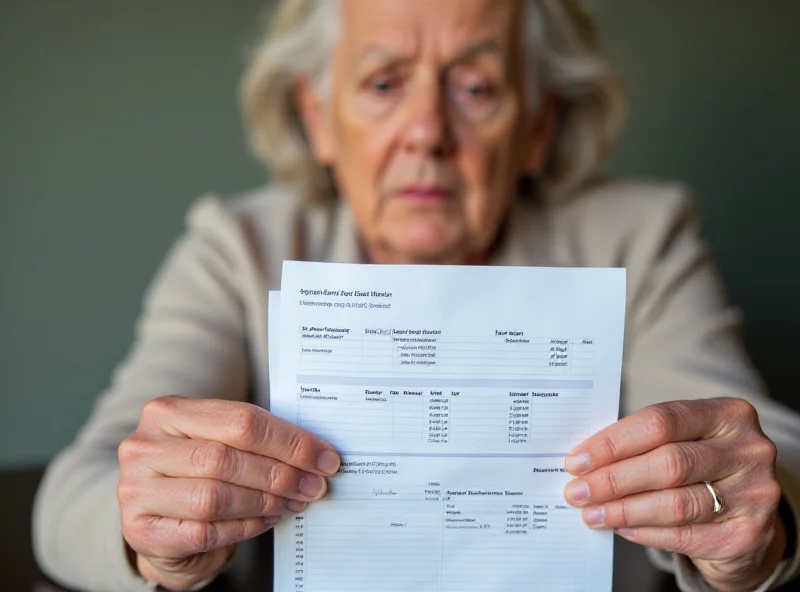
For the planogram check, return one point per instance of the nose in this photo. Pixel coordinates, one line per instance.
(428, 132)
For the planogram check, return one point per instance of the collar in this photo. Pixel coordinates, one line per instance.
(523, 243)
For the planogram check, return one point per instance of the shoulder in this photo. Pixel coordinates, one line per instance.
(253, 231)
(267, 205)
(630, 198)
(650, 228)
(617, 222)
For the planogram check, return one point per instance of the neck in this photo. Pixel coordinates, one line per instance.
(383, 254)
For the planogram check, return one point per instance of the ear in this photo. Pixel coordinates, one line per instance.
(312, 112)
(543, 134)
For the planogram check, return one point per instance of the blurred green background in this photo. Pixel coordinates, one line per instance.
(115, 115)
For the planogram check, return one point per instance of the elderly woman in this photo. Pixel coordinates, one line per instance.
(446, 132)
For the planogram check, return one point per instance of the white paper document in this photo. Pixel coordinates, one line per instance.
(452, 395)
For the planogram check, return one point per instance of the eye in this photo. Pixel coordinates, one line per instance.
(475, 95)
(479, 91)
(379, 92)
(384, 84)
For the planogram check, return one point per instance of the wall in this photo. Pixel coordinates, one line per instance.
(115, 116)
(715, 98)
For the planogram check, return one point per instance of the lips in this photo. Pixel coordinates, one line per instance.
(425, 194)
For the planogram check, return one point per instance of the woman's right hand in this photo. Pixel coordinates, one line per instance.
(198, 476)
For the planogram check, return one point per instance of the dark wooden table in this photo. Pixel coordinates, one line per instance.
(252, 567)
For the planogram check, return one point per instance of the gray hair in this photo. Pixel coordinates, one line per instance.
(563, 57)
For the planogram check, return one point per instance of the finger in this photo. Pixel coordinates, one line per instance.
(242, 426)
(670, 507)
(209, 500)
(645, 430)
(171, 538)
(716, 541)
(184, 574)
(213, 460)
(671, 465)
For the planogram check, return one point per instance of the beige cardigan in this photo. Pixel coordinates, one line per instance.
(203, 334)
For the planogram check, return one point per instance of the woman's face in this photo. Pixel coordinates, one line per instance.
(425, 125)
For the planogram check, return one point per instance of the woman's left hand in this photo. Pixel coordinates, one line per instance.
(644, 477)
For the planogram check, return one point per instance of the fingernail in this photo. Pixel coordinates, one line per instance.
(628, 533)
(577, 492)
(311, 486)
(296, 506)
(594, 516)
(577, 464)
(270, 521)
(328, 462)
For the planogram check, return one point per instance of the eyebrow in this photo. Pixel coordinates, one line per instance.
(467, 53)
(472, 50)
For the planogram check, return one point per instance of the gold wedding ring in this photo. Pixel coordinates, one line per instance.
(719, 506)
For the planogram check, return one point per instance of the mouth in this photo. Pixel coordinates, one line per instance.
(425, 193)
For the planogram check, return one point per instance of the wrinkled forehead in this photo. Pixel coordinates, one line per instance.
(440, 29)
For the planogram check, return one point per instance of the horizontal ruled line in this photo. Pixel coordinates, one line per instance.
(445, 382)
